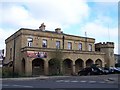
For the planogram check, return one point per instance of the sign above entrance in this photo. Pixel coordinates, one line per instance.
(34, 54)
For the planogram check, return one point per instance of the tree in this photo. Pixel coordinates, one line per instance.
(55, 62)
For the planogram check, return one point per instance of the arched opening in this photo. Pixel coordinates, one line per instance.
(54, 66)
(89, 62)
(23, 66)
(79, 64)
(98, 62)
(38, 66)
(67, 67)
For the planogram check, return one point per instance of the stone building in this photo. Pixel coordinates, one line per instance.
(35, 51)
(117, 58)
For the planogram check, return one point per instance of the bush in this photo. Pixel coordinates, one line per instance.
(7, 72)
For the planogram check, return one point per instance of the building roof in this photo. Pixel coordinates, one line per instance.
(47, 31)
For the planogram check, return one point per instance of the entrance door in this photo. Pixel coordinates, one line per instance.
(38, 67)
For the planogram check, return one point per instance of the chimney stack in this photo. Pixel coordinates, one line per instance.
(58, 30)
(42, 27)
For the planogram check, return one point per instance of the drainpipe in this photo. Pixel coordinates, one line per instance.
(14, 43)
(86, 41)
(63, 41)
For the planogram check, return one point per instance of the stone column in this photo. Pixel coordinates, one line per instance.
(84, 64)
(61, 67)
(93, 61)
(103, 63)
(73, 68)
(46, 72)
(28, 67)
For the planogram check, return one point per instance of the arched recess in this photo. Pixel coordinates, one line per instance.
(89, 62)
(23, 66)
(79, 64)
(98, 62)
(67, 66)
(54, 66)
(38, 66)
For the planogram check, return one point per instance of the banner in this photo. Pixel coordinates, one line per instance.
(34, 54)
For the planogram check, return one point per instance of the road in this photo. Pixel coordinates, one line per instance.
(99, 81)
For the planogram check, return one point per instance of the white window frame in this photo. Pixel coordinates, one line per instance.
(58, 44)
(90, 47)
(44, 43)
(80, 46)
(69, 45)
(29, 42)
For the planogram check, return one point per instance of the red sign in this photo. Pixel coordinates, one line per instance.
(34, 54)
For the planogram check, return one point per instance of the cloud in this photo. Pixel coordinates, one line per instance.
(4, 35)
(101, 33)
(54, 13)
(31, 14)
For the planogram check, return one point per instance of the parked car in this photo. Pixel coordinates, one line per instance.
(104, 70)
(115, 70)
(90, 71)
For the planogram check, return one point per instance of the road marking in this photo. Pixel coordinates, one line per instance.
(74, 81)
(28, 86)
(67, 81)
(17, 85)
(59, 80)
(83, 81)
(92, 81)
(5, 85)
(23, 86)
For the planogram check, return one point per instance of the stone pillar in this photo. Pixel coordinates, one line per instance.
(93, 61)
(73, 68)
(103, 63)
(46, 72)
(61, 67)
(28, 67)
(84, 64)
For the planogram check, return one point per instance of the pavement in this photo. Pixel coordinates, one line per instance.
(104, 77)
(34, 78)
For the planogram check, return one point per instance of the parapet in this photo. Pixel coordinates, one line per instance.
(104, 45)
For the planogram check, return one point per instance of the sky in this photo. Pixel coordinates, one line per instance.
(99, 19)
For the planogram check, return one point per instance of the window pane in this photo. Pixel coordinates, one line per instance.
(90, 47)
(29, 42)
(44, 43)
(80, 46)
(69, 45)
(58, 44)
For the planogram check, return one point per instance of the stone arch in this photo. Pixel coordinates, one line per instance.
(67, 66)
(38, 66)
(89, 62)
(23, 66)
(79, 64)
(54, 66)
(99, 62)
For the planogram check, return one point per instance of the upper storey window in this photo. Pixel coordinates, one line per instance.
(80, 46)
(90, 47)
(29, 42)
(58, 44)
(69, 45)
(44, 43)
